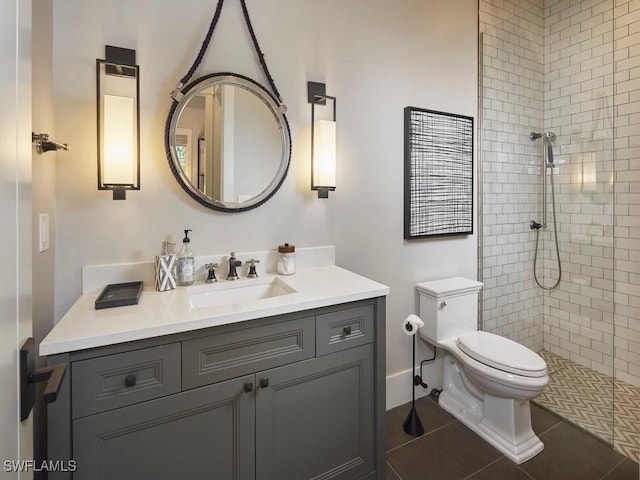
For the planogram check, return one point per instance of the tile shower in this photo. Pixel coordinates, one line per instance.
(572, 68)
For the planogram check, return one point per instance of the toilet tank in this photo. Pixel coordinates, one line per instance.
(448, 308)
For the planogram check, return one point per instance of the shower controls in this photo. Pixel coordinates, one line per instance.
(535, 225)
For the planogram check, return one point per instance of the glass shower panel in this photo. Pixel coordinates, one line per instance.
(579, 313)
(548, 68)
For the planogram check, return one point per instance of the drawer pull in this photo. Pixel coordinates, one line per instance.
(248, 387)
(346, 331)
(130, 380)
(264, 382)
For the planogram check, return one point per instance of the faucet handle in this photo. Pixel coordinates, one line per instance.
(252, 268)
(211, 276)
(233, 264)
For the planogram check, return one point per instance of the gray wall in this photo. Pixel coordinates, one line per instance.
(375, 56)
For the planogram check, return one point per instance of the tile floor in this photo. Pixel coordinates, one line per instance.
(606, 407)
(448, 450)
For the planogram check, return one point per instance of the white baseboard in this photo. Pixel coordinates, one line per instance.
(399, 384)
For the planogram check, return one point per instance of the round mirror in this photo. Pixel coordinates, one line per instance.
(228, 143)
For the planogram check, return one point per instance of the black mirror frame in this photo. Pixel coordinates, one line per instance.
(273, 105)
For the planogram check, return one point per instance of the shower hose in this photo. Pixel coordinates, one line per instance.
(555, 236)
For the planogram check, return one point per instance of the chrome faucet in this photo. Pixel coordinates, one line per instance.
(233, 264)
(252, 268)
(211, 272)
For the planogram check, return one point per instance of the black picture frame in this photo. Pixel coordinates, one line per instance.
(438, 173)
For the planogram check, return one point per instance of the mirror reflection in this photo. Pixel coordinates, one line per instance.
(229, 143)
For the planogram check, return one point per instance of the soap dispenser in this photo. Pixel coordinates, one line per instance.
(185, 265)
(165, 263)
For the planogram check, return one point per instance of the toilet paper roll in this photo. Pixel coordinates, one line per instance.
(411, 324)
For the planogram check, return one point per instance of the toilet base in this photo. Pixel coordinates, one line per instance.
(505, 423)
(518, 447)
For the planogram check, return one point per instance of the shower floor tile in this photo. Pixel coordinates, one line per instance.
(605, 407)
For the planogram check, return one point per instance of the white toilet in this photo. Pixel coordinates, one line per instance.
(488, 380)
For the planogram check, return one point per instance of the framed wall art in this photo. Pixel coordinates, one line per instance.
(438, 170)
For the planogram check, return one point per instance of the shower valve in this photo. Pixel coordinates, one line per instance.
(535, 225)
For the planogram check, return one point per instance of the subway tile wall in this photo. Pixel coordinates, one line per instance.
(571, 67)
(512, 84)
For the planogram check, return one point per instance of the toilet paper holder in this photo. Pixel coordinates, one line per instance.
(411, 324)
(412, 425)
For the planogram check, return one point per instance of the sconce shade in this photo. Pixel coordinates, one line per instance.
(324, 150)
(118, 109)
(323, 142)
(119, 141)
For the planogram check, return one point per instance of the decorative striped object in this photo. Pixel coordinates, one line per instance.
(165, 279)
(438, 173)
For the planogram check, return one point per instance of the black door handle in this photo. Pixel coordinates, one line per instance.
(346, 331)
(29, 376)
(248, 387)
(264, 382)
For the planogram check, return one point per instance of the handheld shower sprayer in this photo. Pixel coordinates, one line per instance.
(549, 138)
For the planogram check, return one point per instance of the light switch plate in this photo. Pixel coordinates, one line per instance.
(43, 236)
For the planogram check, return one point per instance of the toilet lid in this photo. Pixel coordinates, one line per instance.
(502, 353)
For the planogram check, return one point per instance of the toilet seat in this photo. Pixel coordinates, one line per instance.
(502, 353)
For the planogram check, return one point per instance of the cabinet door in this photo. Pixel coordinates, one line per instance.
(207, 432)
(314, 419)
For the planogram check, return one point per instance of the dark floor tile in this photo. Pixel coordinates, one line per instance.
(419, 461)
(391, 474)
(462, 445)
(543, 419)
(570, 454)
(627, 470)
(431, 416)
(503, 469)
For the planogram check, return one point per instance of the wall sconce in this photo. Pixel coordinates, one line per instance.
(323, 142)
(118, 101)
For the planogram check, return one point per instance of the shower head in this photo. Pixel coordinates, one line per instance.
(549, 153)
(549, 138)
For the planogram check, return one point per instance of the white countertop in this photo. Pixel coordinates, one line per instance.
(165, 313)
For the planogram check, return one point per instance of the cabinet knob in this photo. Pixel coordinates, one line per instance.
(248, 387)
(130, 380)
(346, 331)
(264, 382)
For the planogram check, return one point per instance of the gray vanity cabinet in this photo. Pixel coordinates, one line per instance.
(182, 436)
(291, 397)
(315, 418)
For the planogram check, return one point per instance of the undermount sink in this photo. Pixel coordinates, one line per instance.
(237, 292)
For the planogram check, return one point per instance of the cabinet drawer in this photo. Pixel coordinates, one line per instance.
(344, 329)
(114, 381)
(219, 357)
